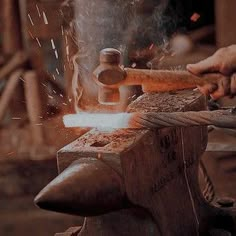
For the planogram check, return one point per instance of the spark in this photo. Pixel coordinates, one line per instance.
(57, 71)
(39, 124)
(22, 79)
(54, 77)
(10, 153)
(53, 44)
(31, 35)
(195, 17)
(38, 10)
(45, 18)
(61, 95)
(65, 104)
(44, 84)
(54, 91)
(62, 30)
(151, 46)
(56, 54)
(51, 97)
(67, 50)
(31, 21)
(133, 65)
(16, 118)
(161, 58)
(38, 42)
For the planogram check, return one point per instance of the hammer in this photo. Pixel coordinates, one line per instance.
(110, 76)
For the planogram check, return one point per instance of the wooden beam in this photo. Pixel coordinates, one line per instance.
(9, 92)
(12, 36)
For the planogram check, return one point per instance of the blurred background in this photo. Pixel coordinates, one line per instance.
(48, 49)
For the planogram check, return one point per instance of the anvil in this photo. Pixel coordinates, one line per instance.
(138, 182)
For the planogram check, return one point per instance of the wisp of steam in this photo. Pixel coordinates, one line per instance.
(123, 24)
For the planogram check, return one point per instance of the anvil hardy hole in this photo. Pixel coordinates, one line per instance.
(100, 144)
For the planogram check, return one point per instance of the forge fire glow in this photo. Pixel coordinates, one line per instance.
(101, 121)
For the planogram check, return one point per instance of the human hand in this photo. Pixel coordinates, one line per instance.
(223, 61)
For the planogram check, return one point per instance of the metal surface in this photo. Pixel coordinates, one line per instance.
(149, 120)
(183, 119)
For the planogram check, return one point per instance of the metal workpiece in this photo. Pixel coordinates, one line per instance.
(220, 118)
(151, 120)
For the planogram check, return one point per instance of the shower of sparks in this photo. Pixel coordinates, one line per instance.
(39, 124)
(38, 42)
(38, 10)
(53, 44)
(45, 18)
(31, 21)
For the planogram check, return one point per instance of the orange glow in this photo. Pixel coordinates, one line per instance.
(98, 120)
(195, 17)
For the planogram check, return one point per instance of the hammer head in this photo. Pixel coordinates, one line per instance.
(108, 76)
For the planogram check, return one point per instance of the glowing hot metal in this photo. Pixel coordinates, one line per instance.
(83, 119)
(220, 118)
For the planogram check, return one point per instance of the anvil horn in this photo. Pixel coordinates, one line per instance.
(88, 187)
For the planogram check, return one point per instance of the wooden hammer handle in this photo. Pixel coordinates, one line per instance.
(164, 80)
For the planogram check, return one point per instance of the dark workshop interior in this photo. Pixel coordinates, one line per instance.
(117, 118)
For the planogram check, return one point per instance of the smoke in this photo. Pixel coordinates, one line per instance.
(127, 25)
